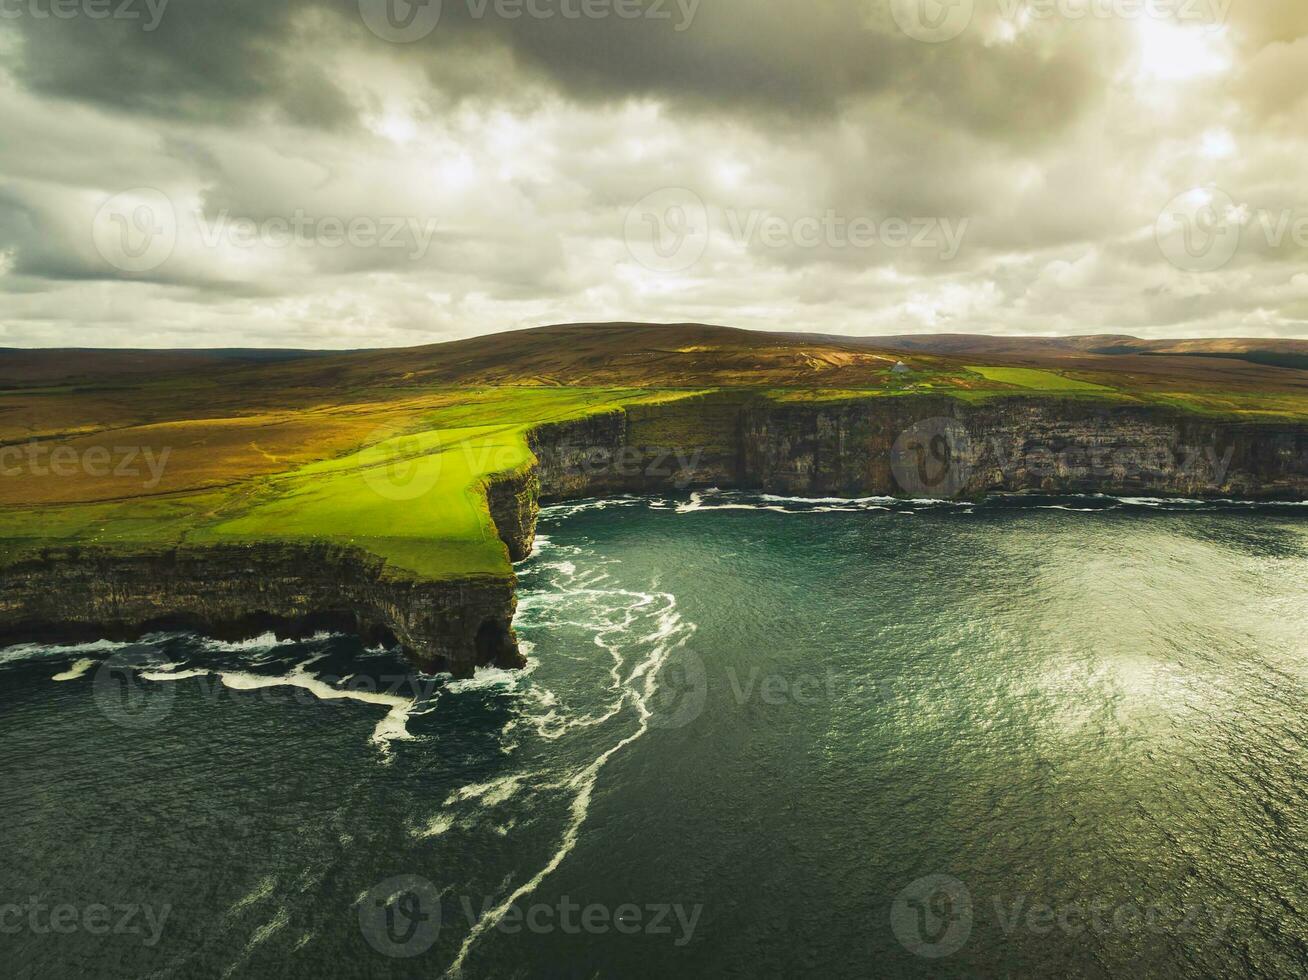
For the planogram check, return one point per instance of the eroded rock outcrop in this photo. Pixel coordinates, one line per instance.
(514, 501)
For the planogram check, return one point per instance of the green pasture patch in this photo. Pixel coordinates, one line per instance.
(1035, 380)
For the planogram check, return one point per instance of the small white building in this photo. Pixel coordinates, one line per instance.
(901, 368)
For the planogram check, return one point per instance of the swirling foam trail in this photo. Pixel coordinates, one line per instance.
(393, 727)
(640, 686)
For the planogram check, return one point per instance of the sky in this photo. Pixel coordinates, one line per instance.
(369, 173)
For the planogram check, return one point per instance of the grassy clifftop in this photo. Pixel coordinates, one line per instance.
(390, 451)
(401, 478)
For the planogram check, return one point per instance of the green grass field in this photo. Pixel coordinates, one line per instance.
(412, 493)
(1035, 380)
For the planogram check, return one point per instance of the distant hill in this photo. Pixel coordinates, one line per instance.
(1270, 352)
(62, 365)
(688, 355)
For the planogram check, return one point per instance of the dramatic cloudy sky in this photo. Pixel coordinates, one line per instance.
(344, 173)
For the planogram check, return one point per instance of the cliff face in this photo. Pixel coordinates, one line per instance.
(240, 592)
(514, 502)
(918, 446)
(923, 446)
(942, 448)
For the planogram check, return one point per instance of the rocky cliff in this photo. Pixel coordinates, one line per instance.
(514, 501)
(914, 446)
(240, 592)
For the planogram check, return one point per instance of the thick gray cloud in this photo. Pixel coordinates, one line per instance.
(179, 58)
(265, 172)
(218, 61)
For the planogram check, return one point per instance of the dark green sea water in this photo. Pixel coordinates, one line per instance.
(759, 738)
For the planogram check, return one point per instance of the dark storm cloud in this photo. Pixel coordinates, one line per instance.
(765, 58)
(200, 59)
(212, 60)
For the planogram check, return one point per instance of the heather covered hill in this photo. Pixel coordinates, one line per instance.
(683, 355)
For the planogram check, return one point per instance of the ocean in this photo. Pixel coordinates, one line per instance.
(757, 737)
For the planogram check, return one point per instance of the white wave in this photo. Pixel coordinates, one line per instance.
(733, 500)
(166, 667)
(265, 887)
(773, 498)
(77, 670)
(1179, 502)
(489, 794)
(281, 918)
(393, 726)
(488, 677)
(541, 542)
(1156, 501)
(712, 500)
(32, 651)
(582, 506)
(440, 824)
(264, 641)
(172, 675)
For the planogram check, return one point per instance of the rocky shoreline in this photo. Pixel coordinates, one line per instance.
(911, 446)
(239, 592)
